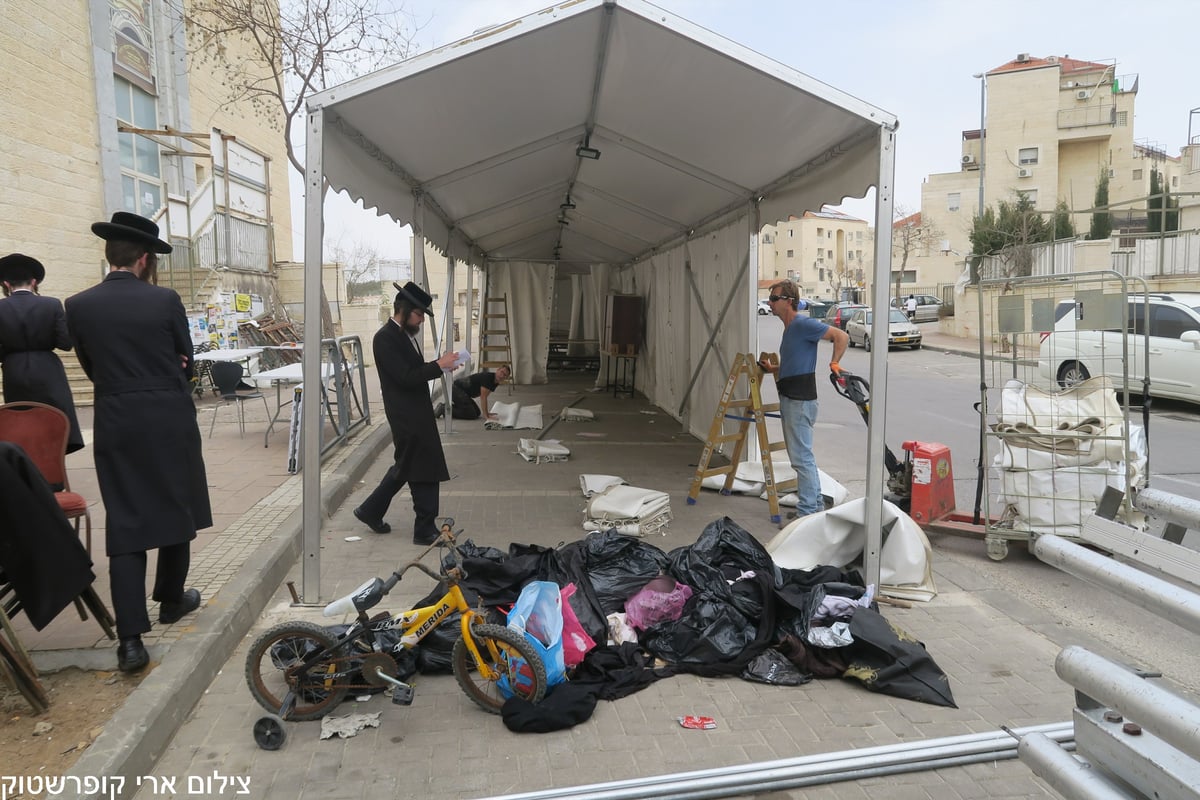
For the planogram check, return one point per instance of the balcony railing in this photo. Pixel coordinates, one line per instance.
(1087, 116)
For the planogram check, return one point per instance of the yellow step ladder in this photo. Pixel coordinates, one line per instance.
(752, 410)
(495, 348)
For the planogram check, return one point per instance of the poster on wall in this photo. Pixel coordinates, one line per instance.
(218, 323)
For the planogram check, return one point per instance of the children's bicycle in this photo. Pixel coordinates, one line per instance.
(299, 671)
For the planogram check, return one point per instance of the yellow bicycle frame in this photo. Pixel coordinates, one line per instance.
(418, 623)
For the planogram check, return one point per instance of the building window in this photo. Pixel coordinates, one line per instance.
(1137, 174)
(1031, 194)
(858, 236)
(820, 231)
(766, 238)
(821, 273)
(791, 253)
(791, 233)
(1174, 180)
(829, 235)
(820, 252)
(141, 167)
(954, 201)
(1027, 155)
(1122, 119)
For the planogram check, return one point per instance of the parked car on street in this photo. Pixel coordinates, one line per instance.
(764, 308)
(1072, 353)
(928, 306)
(840, 313)
(817, 309)
(901, 332)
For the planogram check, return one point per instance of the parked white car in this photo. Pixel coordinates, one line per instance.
(901, 332)
(1074, 352)
(764, 308)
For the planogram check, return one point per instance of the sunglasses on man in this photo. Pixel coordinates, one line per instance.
(775, 298)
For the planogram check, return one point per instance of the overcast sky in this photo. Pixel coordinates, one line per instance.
(914, 59)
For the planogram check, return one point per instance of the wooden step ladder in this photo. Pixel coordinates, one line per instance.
(495, 348)
(752, 410)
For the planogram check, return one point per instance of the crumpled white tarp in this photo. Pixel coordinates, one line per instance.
(836, 537)
(1052, 479)
(514, 415)
(542, 451)
(633, 511)
(749, 479)
(572, 414)
(594, 484)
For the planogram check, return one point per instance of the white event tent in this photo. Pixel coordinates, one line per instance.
(619, 144)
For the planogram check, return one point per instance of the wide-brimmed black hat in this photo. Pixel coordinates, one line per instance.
(126, 227)
(415, 295)
(19, 268)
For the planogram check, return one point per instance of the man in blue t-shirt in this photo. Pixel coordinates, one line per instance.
(796, 379)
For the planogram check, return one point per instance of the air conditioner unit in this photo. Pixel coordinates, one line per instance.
(1068, 84)
(1082, 94)
(1024, 172)
(968, 159)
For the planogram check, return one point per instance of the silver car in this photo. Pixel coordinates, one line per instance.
(901, 332)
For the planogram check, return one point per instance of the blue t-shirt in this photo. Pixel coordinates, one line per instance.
(798, 358)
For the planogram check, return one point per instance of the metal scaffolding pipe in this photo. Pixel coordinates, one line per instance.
(1170, 717)
(1170, 507)
(810, 770)
(1072, 778)
(1171, 602)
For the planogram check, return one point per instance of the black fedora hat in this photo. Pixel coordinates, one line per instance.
(415, 295)
(126, 227)
(18, 268)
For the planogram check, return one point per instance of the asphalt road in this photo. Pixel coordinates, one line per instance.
(931, 397)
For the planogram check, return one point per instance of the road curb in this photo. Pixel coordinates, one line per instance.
(138, 733)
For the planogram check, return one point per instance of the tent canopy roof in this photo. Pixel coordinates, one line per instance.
(690, 128)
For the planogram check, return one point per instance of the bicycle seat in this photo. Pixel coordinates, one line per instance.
(364, 597)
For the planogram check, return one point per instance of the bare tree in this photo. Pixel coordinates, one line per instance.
(911, 236)
(297, 47)
(359, 264)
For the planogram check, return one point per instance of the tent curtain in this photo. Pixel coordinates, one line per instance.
(529, 287)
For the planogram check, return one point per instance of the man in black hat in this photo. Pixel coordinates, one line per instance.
(404, 377)
(31, 327)
(131, 337)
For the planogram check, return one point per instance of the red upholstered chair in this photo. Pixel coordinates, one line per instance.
(41, 431)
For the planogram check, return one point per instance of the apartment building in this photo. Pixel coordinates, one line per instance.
(828, 254)
(1052, 126)
(106, 107)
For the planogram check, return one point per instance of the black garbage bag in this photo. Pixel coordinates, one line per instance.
(723, 550)
(616, 566)
(887, 659)
(710, 633)
(434, 652)
(771, 667)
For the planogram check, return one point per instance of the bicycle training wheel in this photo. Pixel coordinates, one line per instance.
(508, 653)
(271, 671)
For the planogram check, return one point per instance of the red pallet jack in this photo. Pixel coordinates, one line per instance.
(922, 485)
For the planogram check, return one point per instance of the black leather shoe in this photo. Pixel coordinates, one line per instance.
(131, 654)
(425, 540)
(169, 613)
(377, 525)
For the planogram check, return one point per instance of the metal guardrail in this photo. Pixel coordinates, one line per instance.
(1156, 756)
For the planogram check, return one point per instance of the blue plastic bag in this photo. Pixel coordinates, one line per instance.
(538, 615)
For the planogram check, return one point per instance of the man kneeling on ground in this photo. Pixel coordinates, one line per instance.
(480, 385)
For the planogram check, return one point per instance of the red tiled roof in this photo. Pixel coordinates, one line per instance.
(1067, 64)
(912, 219)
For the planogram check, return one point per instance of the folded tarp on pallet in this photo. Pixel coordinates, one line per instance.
(632, 511)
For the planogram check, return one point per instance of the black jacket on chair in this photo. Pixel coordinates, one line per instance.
(40, 554)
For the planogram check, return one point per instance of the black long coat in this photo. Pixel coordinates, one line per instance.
(31, 327)
(130, 336)
(404, 377)
(40, 553)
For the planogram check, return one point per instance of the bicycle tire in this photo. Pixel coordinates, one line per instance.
(269, 681)
(527, 675)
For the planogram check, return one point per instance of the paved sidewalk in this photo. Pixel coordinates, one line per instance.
(192, 715)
